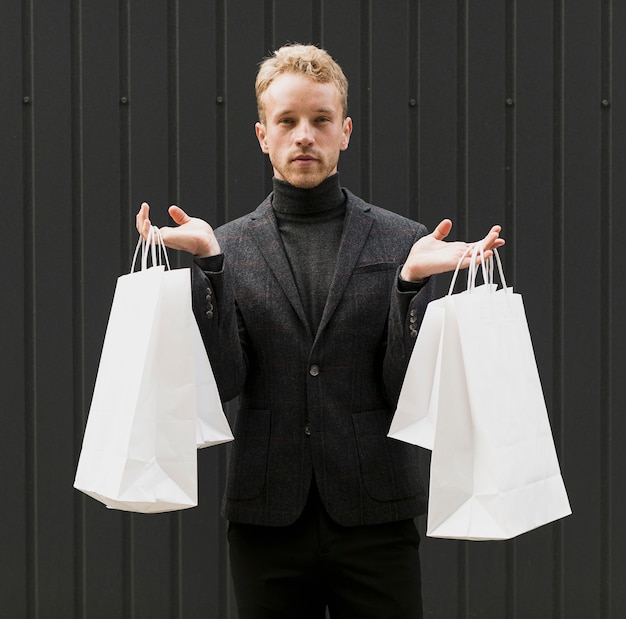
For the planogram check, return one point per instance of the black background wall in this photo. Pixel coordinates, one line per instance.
(509, 111)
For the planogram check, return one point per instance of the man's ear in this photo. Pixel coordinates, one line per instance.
(259, 129)
(347, 132)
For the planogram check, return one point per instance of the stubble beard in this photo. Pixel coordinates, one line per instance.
(305, 179)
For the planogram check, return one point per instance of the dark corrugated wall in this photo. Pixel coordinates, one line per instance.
(494, 111)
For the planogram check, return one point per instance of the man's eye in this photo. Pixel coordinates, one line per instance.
(285, 121)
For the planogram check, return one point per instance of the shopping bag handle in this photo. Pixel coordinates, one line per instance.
(154, 246)
(500, 269)
(486, 267)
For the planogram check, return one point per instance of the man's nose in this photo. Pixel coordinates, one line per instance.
(304, 135)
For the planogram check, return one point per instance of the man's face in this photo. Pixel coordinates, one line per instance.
(304, 129)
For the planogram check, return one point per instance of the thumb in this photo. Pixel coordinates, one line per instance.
(178, 215)
(442, 230)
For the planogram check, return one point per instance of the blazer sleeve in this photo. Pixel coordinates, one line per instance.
(224, 336)
(406, 312)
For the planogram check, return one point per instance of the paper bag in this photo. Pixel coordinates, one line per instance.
(212, 427)
(416, 412)
(139, 447)
(494, 468)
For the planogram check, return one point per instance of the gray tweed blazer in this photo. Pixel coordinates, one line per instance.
(314, 404)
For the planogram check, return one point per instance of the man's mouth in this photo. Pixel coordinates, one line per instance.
(304, 158)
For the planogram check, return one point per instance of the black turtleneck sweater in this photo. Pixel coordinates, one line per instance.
(310, 222)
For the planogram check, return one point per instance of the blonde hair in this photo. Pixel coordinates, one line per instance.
(308, 60)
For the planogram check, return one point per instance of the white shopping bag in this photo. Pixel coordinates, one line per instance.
(139, 447)
(416, 412)
(494, 468)
(212, 427)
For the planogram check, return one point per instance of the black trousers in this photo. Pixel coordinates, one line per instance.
(296, 572)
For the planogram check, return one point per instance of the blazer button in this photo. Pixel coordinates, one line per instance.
(314, 370)
(307, 429)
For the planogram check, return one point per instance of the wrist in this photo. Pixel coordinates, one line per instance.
(208, 250)
(412, 277)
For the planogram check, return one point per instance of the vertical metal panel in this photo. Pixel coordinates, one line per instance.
(510, 210)
(614, 231)
(605, 298)
(100, 237)
(437, 107)
(78, 300)
(512, 113)
(581, 318)
(245, 170)
(14, 169)
(364, 93)
(388, 92)
(462, 120)
(28, 402)
(558, 194)
(529, 260)
(51, 315)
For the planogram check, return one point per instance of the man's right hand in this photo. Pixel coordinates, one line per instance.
(191, 234)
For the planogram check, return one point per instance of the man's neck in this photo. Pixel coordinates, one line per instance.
(294, 200)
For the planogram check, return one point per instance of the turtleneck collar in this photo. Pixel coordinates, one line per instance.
(296, 201)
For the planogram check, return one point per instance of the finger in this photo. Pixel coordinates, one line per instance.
(493, 238)
(442, 230)
(142, 213)
(142, 221)
(178, 215)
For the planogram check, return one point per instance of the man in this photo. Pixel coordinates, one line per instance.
(309, 308)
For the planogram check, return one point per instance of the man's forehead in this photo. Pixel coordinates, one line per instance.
(289, 92)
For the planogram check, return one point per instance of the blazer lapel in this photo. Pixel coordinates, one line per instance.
(264, 229)
(355, 232)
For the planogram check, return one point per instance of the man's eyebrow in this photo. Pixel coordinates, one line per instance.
(322, 110)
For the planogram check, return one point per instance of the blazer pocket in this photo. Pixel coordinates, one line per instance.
(389, 468)
(374, 266)
(248, 462)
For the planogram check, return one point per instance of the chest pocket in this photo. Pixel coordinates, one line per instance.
(374, 267)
